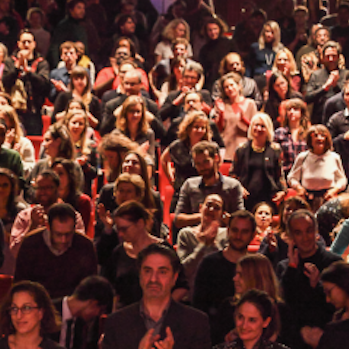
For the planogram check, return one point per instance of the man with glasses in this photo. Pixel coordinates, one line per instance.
(46, 194)
(56, 255)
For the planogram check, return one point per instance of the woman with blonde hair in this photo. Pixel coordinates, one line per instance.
(132, 121)
(177, 28)
(3, 56)
(15, 140)
(80, 89)
(193, 129)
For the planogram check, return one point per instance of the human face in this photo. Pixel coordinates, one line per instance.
(303, 234)
(180, 50)
(125, 43)
(3, 101)
(124, 68)
(198, 130)
(111, 159)
(132, 164)
(330, 58)
(190, 78)
(30, 323)
(134, 114)
(212, 209)
(213, 31)
(91, 310)
(69, 56)
(205, 165)
(335, 295)
(5, 187)
(259, 130)
(26, 42)
(180, 31)
(300, 17)
(76, 125)
(157, 277)
(283, 63)
(322, 37)
(268, 35)
(250, 324)
(294, 114)
(74, 106)
(62, 234)
(50, 145)
(122, 53)
(78, 12)
(177, 71)
(128, 231)
(281, 87)
(45, 191)
(231, 89)
(125, 192)
(240, 234)
(289, 208)
(63, 176)
(129, 27)
(132, 85)
(234, 63)
(263, 217)
(192, 102)
(79, 84)
(345, 96)
(35, 20)
(318, 142)
(239, 282)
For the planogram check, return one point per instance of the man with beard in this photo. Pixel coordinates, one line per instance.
(157, 321)
(46, 194)
(214, 278)
(210, 181)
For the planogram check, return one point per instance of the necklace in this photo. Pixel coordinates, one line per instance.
(257, 149)
(268, 59)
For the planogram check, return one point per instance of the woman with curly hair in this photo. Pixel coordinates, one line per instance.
(28, 317)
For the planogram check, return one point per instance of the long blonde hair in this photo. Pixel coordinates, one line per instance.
(12, 116)
(169, 31)
(274, 26)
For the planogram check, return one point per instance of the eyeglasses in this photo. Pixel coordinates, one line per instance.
(26, 309)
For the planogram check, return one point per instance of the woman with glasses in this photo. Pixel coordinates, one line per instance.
(27, 317)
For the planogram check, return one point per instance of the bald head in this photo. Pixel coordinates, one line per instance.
(132, 82)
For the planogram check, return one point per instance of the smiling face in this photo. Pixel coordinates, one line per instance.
(77, 125)
(180, 31)
(259, 130)
(51, 145)
(281, 87)
(318, 142)
(134, 114)
(213, 31)
(131, 164)
(212, 209)
(263, 217)
(198, 130)
(231, 89)
(250, 324)
(283, 63)
(45, 191)
(30, 323)
(79, 83)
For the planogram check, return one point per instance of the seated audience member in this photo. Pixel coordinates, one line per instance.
(82, 309)
(291, 136)
(233, 113)
(257, 305)
(325, 82)
(214, 277)
(36, 18)
(177, 28)
(124, 41)
(233, 62)
(275, 244)
(335, 283)
(260, 181)
(254, 271)
(34, 80)
(34, 303)
(85, 61)
(60, 77)
(193, 129)
(109, 78)
(216, 47)
(284, 63)
(9, 158)
(279, 90)
(299, 273)
(173, 104)
(132, 84)
(68, 190)
(46, 188)
(132, 220)
(194, 190)
(194, 243)
(11, 206)
(262, 53)
(263, 214)
(86, 156)
(2, 243)
(181, 327)
(315, 180)
(15, 140)
(57, 256)
(80, 90)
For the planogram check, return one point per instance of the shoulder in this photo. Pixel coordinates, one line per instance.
(48, 343)
(230, 182)
(33, 237)
(123, 315)
(243, 147)
(275, 146)
(187, 313)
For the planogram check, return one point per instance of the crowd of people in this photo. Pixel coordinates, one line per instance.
(174, 181)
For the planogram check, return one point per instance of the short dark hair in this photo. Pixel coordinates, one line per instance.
(159, 248)
(26, 31)
(72, 3)
(202, 146)
(337, 273)
(96, 288)
(321, 129)
(244, 214)
(302, 213)
(133, 211)
(62, 212)
(51, 175)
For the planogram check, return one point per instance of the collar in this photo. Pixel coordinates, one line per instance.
(47, 238)
(66, 313)
(202, 185)
(145, 314)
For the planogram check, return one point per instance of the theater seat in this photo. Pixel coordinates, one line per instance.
(5, 285)
(36, 140)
